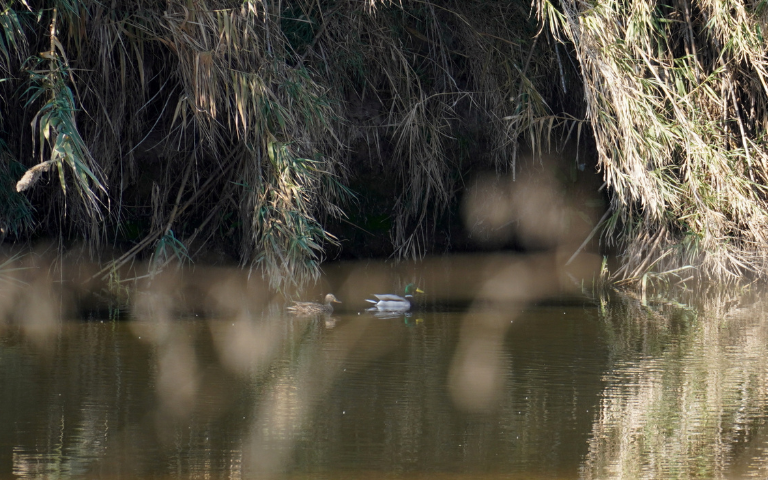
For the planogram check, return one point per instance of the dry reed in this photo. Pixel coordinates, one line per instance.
(676, 97)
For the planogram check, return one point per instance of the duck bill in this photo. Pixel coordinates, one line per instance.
(418, 290)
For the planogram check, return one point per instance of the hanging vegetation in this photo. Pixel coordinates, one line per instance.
(162, 126)
(676, 95)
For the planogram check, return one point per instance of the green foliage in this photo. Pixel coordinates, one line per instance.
(16, 212)
(168, 248)
(283, 223)
(8, 267)
(55, 123)
(12, 38)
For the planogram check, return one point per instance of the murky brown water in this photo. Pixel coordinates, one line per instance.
(570, 388)
(367, 396)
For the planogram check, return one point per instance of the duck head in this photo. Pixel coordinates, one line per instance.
(331, 298)
(411, 288)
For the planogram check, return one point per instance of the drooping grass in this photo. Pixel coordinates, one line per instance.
(676, 96)
(16, 212)
(8, 268)
(263, 107)
(434, 70)
(58, 136)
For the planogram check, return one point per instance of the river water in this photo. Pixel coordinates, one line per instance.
(567, 384)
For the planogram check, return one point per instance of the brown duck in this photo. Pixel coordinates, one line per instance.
(314, 308)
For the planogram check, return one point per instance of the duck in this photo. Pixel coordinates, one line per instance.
(314, 308)
(394, 303)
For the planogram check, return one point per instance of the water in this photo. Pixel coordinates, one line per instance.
(558, 388)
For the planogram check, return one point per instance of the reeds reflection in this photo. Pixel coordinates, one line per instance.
(685, 394)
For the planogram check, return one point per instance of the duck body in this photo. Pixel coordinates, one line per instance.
(387, 302)
(314, 308)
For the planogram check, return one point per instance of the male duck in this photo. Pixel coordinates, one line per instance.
(313, 308)
(394, 303)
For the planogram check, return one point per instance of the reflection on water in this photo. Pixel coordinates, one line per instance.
(367, 396)
(686, 395)
(484, 379)
(265, 393)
